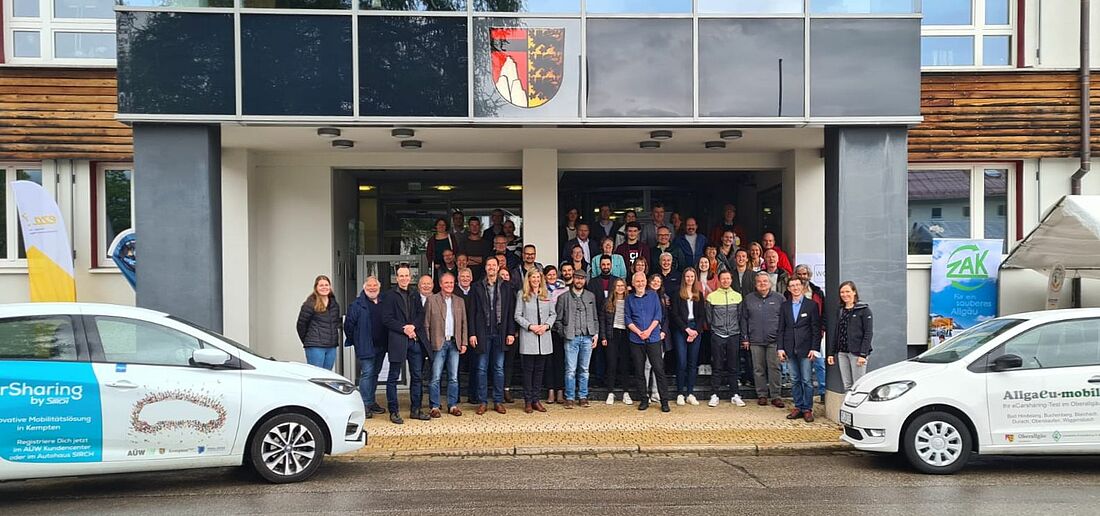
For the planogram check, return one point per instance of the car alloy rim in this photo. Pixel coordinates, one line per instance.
(938, 443)
(288, 449)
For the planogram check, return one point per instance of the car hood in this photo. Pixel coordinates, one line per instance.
(899, 372)
(298, 370)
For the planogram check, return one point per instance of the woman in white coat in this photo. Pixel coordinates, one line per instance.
(534, 317)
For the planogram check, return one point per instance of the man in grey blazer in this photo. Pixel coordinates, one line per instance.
(445, 324)
(579, 327)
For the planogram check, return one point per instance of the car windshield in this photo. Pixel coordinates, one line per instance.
(962, 344)
(220, 337)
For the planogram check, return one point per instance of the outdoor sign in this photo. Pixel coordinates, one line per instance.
(1054, 285)
(49, 255)
(963, 285)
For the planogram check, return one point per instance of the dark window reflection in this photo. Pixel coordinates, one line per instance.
(751, 67)
(413, 5)
(639, 67)
(296, 65)
(528, 6)
(179, 63)
(297, 4)
(865, 67)
(413, 66)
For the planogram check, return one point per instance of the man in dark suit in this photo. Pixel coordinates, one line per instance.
(403, 317)
(492, 327)
(589, 245)
(604, 227)
(799, 339)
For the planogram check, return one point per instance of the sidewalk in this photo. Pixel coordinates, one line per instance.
(619, 428)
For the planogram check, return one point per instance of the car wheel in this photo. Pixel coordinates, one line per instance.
(937, 443)
(287, 448)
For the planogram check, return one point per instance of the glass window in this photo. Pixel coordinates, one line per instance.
(936, 202)
(528, 6)
(947, 51)
(413, 66)
(996, 12)
(946, 12)
(138, 342)
(996, 198)
(639, 68)
(964, 343)
(117, 204)
(38, 338)
(1071, 343)
(84, 45)
(34, 175)
(102, 9)
(413, 5)
(996, 50)
(637, 6)
(750, 6)
(863, 6)
(527, 68)
(179, 63)
(751, 67)
(25, 8)
(864, 67)
(297, 4)
(26, 44)
(176, 3)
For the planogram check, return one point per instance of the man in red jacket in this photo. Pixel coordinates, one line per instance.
(768, 241)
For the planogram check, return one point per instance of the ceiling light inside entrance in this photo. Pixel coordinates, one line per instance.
(660, 135)
(343, 144)
(715, 144)
(366, 188)
(649, 144)
(402, 132)
(514, 188)
(328, 132)
(412, 144)
(444, 188)
(730, 134)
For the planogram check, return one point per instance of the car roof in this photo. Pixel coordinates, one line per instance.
(28, 309)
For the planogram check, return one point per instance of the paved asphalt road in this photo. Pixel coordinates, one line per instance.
(841, 484)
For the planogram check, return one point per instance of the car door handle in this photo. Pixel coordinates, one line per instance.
(122, 384)
(1094, 379)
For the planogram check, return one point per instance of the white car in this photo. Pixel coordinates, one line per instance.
(88, 389)
(1020, 384)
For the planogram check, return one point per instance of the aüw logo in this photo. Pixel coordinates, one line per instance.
(967, 262)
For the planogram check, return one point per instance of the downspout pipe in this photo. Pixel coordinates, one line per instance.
(1086, 107)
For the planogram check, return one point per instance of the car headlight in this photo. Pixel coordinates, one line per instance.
(339, 385)
(890, 391)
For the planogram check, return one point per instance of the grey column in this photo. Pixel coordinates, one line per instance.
(177, 204)
(866, 199)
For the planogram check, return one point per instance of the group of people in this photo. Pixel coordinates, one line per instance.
(628, 291)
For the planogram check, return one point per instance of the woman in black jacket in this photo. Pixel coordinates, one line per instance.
(319, 325)
(689, 317)
(850, 340)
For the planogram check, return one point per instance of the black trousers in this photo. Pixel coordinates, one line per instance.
(555, 365)
(725, 352)
(639, 352)
(509, 364)
(617, 352)
(533, 368)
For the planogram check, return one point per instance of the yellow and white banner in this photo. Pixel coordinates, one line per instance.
(49, 255)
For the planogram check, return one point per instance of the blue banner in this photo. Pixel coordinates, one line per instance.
(963, 285)
(50, 412)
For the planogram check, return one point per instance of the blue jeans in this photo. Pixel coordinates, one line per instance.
(368, 377)
(324, 358)
(447, 356)
(416, 387)
(687, 360)
(819, 372)
(802, 390)
(491, 348)
(578, 353)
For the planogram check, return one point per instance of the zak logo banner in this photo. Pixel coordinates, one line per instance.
(964, 285)
(49, 255)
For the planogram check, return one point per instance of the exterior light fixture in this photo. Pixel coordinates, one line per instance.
(366, 188)
(343, 144)
(715, 144)
(444, 188)
(660, 135)
(514, 188)
(649, 144)
(402, 132)
(328, 132)
(730, 134)
(412, 144)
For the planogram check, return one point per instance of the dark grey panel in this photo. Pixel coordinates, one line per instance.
(413, 66)
(556, 72)
(296, 65)
(528, 6)
(177, 207)
(864, 67)
(865, 231)
(297, 4)
(413, 5)
(751, 67)
(179, 63)
(639, 67)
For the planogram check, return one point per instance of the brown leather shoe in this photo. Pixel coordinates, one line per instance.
(499, 407)
(795, 414)
(778, 403)
(584, 403)
(568, 404)
(481, 409)
(539, 406)
(762, 401)
(455, 411)
(808, 416)
(527, 408)
(435, 413)
(508, 396)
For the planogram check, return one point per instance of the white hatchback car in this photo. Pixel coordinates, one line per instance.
(88, 389)
(1020, 384)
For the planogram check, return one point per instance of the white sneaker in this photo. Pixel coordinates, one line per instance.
(691, 399)
(654, 398)
(702, 370)
(626, 399)
(610, 398)
(736, 400)
(713, 401)
(680, 399)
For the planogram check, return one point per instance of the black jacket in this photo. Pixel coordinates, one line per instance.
(745, 282)
(679, 313)
(363, 328)
(319, 329)
(596, 232)
(479, 309)
(593, 249)
(859, 331)
(798, 336)
(397, 311)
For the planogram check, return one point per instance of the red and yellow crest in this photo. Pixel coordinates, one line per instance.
(527, 64)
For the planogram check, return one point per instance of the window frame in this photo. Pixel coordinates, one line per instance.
(977, 30)
(977, 201)
(47, 25)
(11, 227)
(100, 246)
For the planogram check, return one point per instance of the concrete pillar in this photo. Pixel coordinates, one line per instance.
(540, 203)
(178, 209)
(866, 199)
(803, 182)
(236, 272)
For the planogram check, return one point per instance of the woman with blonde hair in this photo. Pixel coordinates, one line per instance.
(756, 256)
(688, 320)
(319, 324)
(534, 315)
(614, 339)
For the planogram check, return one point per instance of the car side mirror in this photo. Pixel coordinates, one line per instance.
(210, 357)
(1006, 362)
